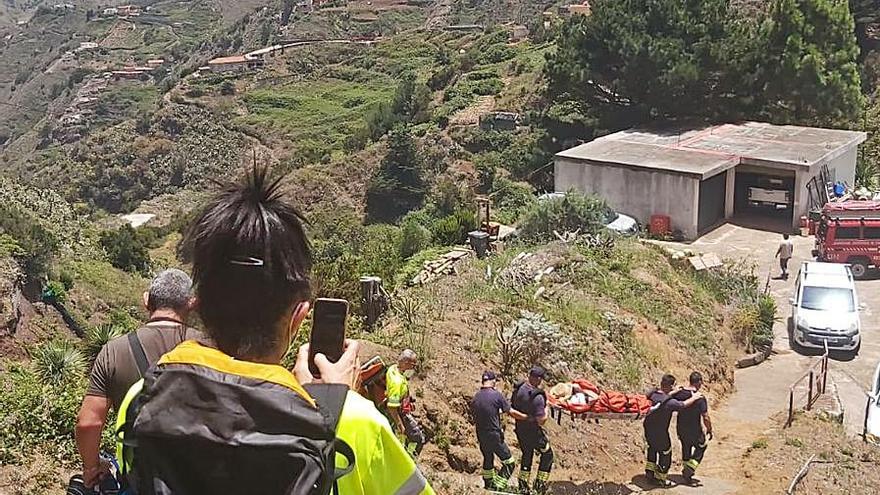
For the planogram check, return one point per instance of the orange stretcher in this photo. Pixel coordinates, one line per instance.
(608, 404)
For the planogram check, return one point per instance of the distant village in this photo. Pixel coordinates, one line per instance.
(74, 119)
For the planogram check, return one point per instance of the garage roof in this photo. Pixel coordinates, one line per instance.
(708, 151)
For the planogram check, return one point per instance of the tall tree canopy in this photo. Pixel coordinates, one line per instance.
(398, 186)
(633, 61)
(808, 51)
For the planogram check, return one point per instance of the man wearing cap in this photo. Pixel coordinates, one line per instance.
(487, 406)
(531, 401)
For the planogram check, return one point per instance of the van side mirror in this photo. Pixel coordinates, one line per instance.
(792, 301)
(862, 307)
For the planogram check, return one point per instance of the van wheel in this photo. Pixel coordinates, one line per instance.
(859, 268)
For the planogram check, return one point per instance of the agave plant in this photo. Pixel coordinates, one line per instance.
(97, 336)
(58, 361)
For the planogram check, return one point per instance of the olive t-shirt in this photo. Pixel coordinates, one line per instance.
(115, 369)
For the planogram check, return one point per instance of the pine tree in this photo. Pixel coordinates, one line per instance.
(398, 186)
(635, 60)
(810, 57)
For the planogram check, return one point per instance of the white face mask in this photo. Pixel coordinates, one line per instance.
(409, 374)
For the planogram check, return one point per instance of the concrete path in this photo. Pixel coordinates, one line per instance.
(762, 391)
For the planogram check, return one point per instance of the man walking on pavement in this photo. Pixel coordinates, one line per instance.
(487, 406)
(529, 400)
(784, 253)
(689, 426)
(659, 451)
(399, 402)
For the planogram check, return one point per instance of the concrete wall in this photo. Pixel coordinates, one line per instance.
(635, 192)
(844, 166)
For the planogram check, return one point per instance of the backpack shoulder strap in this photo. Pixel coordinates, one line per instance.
(331, 399)
(137, 350)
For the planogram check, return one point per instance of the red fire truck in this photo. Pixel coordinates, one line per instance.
(849, 232)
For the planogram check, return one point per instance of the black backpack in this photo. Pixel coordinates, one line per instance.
(195, 430)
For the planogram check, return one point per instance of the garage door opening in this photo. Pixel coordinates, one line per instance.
(711, 212)
(764, 200)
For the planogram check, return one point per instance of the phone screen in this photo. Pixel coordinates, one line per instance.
(328, 331)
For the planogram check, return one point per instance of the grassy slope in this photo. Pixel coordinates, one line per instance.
(635, 282)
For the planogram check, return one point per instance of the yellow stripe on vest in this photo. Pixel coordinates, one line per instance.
(191, 352)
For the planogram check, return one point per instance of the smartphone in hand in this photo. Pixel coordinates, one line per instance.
(328, 331)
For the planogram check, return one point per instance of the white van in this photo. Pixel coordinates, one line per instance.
(825, 308)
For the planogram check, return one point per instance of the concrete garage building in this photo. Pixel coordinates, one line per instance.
(701, 176)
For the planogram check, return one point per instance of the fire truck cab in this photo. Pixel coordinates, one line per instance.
(849, 232)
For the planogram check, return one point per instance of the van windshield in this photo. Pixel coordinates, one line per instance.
(828, 299)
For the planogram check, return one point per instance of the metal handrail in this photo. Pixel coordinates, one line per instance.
(820, 385)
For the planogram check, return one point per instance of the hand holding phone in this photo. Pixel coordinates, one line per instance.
(344, 372)
(328, 332)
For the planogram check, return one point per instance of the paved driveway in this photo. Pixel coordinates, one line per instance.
(852, 376)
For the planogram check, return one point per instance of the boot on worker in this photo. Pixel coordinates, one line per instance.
(659, 451)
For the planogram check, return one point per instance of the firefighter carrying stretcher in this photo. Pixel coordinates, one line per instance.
(659, 451)
(487, 406)
(531, 400)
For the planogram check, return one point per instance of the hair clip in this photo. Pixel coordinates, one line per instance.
(247, 261)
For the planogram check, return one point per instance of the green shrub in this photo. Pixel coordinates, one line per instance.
(452, 229)
(37, 415)
(27, 240)
(97, 337)
(414, 237)
(763, 335)
(486, 170)
(227, 88)
(496, 53)
(67, 280)
(56, 291)
(345, 250)
(569, 213)
(126, 249)
(59, 362)
(511, 200)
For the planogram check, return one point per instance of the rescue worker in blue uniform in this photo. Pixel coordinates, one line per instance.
(689, 427)
(531, 401)
(487, 406)
(659, 451)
